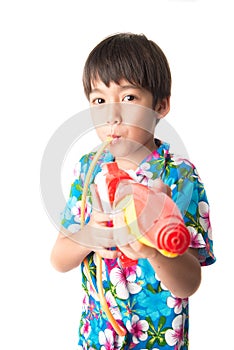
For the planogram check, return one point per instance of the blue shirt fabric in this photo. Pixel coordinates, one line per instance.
(153, 317)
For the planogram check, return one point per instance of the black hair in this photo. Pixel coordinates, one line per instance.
(132, 57)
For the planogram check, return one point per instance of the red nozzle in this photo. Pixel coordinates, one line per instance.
(173, 238)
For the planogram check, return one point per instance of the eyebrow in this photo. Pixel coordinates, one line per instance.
(123, 87)
(126, 87)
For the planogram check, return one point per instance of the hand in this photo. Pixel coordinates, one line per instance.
(136, 250)
(128, 244)
(97, 235)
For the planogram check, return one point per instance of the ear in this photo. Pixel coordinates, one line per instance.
(163, 107)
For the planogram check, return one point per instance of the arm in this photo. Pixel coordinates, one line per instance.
(67, 254)
(181, 275)
(71, 249)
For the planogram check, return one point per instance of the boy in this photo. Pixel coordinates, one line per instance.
(127, 75)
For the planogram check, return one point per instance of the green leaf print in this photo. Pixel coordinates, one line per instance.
(156, 336)
(150, 288)
(79, 187)
(153, 290)
(194, 222)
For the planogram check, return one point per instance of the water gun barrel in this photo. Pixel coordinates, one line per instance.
(154, 219)
(173, 238)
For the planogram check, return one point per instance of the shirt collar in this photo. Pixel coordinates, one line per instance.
(153, 165)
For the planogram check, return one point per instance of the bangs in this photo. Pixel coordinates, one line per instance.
(125, 56)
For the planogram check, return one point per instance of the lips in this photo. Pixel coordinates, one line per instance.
(116, 138)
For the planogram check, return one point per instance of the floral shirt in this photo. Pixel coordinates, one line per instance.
(153, 317)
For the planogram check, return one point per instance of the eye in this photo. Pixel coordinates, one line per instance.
(98, 101)
(129, 98)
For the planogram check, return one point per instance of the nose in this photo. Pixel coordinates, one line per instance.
(114, 114)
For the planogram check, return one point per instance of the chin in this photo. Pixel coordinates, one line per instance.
(121, 150)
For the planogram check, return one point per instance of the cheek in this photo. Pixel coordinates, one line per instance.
(142, 118)
(101, 133)
(139, 134)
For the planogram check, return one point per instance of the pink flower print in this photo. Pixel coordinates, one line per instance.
(76, 211)
(166, 152)
(144, 170)
(85, 302)
(124, 284)
(176, 303)
(174, 336)
(131, 272)
(86, 328)
(110, 264)
(85, 346)
(197, 240)
(91, 290)
(111, 302)
(138, 328)
(204, 218)
(106, 339)
(104, 274)
(153, 155)
(76, 170)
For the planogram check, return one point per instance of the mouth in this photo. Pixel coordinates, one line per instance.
(116, 138)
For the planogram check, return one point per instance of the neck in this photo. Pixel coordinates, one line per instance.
(132, 161)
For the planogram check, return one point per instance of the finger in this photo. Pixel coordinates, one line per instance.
(96, 201)
(108, 254)
(160, 186)
(101, 219)
(119, 219)
(137, 250)
(95, 243)
(143, 250)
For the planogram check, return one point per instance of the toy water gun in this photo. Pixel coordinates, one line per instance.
(152, 216)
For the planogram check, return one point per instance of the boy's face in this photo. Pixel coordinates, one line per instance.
(124, 111)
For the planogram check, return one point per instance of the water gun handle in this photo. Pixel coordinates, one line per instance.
(125, 261)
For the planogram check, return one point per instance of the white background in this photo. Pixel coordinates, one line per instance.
(43, 48)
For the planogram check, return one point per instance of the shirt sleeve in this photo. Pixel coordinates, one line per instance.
(71, 215)
(190, 196)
